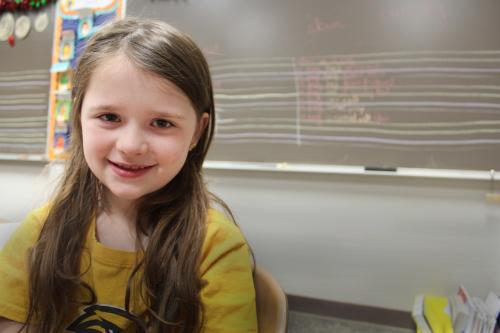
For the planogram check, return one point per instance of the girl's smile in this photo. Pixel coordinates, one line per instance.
(130, 170)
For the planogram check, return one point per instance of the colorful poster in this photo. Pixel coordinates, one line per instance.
(67, 48)
(76, 21)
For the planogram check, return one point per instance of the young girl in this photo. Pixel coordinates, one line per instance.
(130, 243)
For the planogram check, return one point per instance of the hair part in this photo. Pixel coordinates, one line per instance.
(173, 217)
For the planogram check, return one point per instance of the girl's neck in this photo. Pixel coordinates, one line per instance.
(115, 223)
(120, 209)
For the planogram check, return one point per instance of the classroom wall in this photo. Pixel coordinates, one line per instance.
(369, 240)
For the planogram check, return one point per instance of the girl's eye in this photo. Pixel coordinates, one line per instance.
(161, 123)
(109, 117)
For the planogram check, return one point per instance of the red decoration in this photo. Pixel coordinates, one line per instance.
(23, 5)
(11, 40)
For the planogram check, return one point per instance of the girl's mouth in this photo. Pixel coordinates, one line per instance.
(129, 170)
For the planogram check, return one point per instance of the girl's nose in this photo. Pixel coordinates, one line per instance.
(131, 141)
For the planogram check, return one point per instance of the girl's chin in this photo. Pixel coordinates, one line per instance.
(131, 196)
(128, 192)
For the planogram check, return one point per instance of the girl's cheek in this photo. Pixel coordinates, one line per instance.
(95, 138)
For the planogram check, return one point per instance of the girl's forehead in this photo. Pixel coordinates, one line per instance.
(120, 71)
(117, 63)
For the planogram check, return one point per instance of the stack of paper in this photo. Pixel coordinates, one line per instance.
(481, 318)
(437, 313)
(432, 314)
(459, 313)
(418, 315)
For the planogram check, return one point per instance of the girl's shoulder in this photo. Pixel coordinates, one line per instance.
(222, 237)
(38, 215)
(36, 218)
(30, 227)
(220, 226)
(27, 232)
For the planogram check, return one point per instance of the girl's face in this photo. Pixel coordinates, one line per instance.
(137, 129)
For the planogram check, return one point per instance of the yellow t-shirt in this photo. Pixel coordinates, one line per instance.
(228, 297)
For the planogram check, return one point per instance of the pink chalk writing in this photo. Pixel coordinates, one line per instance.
(319, 25)
(361, 77)
(310, 85)
(333, 89)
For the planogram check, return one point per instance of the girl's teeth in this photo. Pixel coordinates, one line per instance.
(131, 167)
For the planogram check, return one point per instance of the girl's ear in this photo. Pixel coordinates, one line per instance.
(201, 127)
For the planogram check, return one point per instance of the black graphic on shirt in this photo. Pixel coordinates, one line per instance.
(99, 319)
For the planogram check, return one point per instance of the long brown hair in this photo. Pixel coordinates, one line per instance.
(173, 217)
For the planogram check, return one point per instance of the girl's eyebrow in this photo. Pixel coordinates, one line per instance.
(157, 113)
(103, 107)
(167, 114)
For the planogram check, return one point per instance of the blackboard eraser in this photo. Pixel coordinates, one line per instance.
(381, 169)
